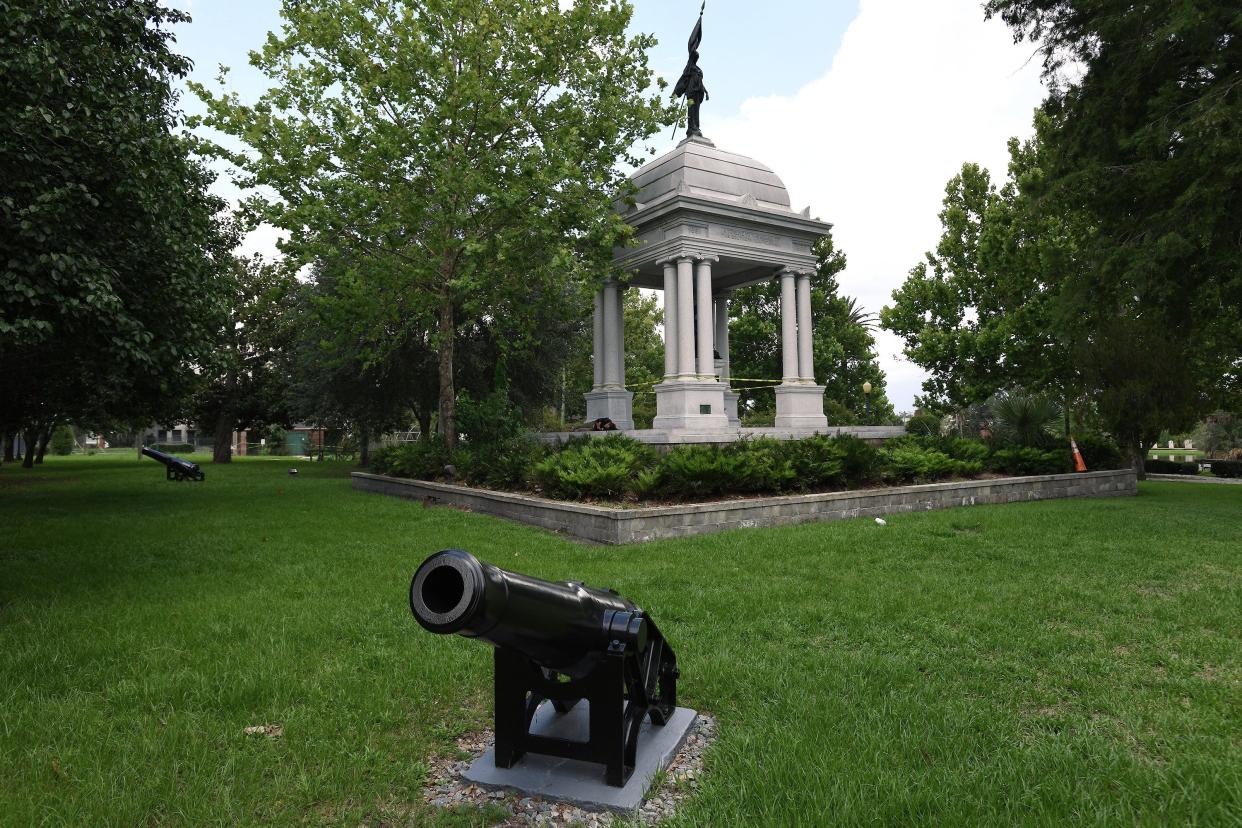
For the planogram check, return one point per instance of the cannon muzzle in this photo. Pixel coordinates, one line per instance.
(566, 627)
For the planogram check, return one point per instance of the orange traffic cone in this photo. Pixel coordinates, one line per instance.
(1080, 465)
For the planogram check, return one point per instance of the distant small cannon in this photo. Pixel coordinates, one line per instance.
(559, 642)
(176, 468)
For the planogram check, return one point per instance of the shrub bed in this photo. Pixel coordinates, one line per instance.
(617, 467)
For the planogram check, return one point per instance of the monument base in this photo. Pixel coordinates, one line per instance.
(800, 406)
(731, 398)
(582, 783)
(690, 405)
(616, 405)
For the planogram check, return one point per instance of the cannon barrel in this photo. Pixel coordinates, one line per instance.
(177, 468)
(566, 627)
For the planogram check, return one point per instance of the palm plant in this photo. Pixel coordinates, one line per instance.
(1025, 419)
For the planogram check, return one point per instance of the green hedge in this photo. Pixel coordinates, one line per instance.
(1227, 468)
(1170, 467)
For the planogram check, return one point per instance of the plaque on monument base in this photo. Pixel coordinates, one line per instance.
(691, 405)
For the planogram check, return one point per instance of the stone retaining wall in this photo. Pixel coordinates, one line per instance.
(636, 525)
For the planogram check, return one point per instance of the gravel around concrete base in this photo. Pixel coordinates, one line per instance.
(446, 788)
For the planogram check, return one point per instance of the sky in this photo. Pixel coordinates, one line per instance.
(864, 108)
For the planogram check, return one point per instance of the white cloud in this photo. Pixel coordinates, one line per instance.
(916, 89)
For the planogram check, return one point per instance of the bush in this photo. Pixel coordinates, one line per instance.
(762, 418)
(493, 419)
(1227, 468)
(963, 448)
(62, 441)
(506, 464)
(763, 465)
(702, 471)
(1025, 461)
(860, 461)
(924, 425)
(1099, 452)
(596, 467)
(909, 461)
(816, 462)
(173, 448)
(1170, 467)
(420, 460)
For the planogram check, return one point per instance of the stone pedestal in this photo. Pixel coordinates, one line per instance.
(800, 406)
(617, 406)
(730, 404)
(690, 404)
(582, 783)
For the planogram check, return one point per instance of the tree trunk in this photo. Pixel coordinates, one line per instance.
(10, 440)
(30, 437)
(448, 398)
(222, 440)
(424, 422)
(44, 438)
(364, 447)
(138, 443)
(1134, 453)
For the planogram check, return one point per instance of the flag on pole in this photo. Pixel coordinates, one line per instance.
(696, 36)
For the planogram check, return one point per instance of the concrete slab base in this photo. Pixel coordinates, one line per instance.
(582, 783)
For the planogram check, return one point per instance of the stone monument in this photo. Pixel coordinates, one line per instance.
(707, 222)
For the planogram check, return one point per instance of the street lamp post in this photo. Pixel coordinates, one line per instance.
(867, 399)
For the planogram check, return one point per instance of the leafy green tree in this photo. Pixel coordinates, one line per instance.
(466, 148)
(340, 379)
(111, 254)
(979, 313)
(1142, 138)
(244, 384)
(842, 343)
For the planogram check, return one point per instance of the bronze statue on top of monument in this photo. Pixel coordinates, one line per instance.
(690, 85)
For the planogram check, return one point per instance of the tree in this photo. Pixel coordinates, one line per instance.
(1143, 141)
(245, 382)
(112, 252)
(979, 314)
(842, 344)
(466, 148)
(340, 379)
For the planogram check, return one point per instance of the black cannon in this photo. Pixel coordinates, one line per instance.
(560, 642)
(176, 468)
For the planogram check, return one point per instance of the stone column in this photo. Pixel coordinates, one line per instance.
(685, 318)
(598, 330)
(619, 353)
(670, 319)
(612, 336)
(806, 371)
(789, 329)
(706, 322)
(722, 333)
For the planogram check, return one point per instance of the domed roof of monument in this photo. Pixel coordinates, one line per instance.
(698, 168)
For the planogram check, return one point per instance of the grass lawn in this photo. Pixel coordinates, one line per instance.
(1048, 663)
